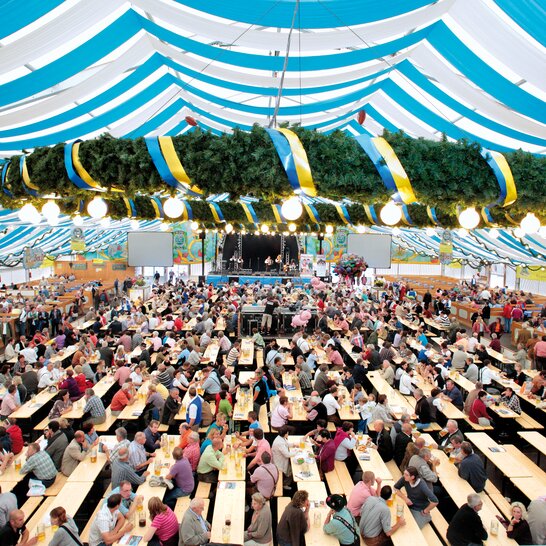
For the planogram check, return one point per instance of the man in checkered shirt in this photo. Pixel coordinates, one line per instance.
(94, 406)
(39, 465)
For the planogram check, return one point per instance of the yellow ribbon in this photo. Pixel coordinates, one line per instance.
(311, 214)
(502, 164)
(247, 213)
(301, 162)
(80, 170)
(277, 215)
(215, 215)
(26, 177)
(156, 209)
(174, 164)
(401, 179)
(341, 214)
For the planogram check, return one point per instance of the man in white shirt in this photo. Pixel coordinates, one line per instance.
(281, 453)
(45, 376)
(331, 404)
(109, 524)
(472, 343)
(406, 383)
(29, 353)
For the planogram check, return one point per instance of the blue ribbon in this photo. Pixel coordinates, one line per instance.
(406, 216)
(28, 190)
(5, 168)
(219, 212)
(285, 155)
(152, 143)
(132, 207)
(70, 171)
(378, 160)
(188, 209)
(159, 205)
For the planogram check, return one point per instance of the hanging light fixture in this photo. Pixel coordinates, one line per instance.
(329, 230)
(50, 210)
(53, 221)
(194, 226)
(97, 208)
(77, 220)
(264, 228)
(530, 224)
(391, 214)
(135, 224)
(173, 207)
(469, 218)
(27, 213)
(292, 208)
(361, 229)
(292, 227)
(493, 233)
(229, 228)
(431, 232)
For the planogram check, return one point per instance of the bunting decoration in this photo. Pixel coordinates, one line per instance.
(75, 170)
(294, 160)
(131, 209)
(158, 207)
(29, 187)
(188, 212)
(371, 214)
(389, 168)
(168, 165)
(216, 212)
(343, 214)
(431, 213)
(486, 217)
(249, 212)
(406, 218)
(503, 174)
(312, 213)
(279, 218)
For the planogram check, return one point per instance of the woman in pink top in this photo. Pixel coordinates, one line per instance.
(361, 491)
(164, 528)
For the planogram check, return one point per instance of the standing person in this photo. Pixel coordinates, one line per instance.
(466, 527)
(163, 530)
(259, 532)
(339, 522)
(294, 522)
(418, 496)
(375, 519)
(67, 533)
(281, 453)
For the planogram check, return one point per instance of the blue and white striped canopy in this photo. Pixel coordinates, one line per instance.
(467, 68)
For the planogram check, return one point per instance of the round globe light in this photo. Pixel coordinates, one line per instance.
(173, 207)
(396, 231)
(164, 226)
(469, 218)
(50, 210)
(264, 228)
(77, 220)
(431, 232)
(105, 222)
(493, 233)
(361, 229)
(97, 208)
(462, 232)
(292, 208)
(391, 214)
(256, 232)
(519, 233)
(53, 221)
(194, 226)
(329, 230)
(292, 227)
(229, 228)
(135, 224)
(27, 212)
(530, 224)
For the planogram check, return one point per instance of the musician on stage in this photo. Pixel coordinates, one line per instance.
(268, 263)
(278, 261)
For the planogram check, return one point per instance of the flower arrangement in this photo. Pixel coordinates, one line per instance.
(350, 266)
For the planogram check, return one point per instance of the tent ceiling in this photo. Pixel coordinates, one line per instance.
(468, 68)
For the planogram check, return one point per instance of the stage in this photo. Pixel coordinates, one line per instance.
(271, 278)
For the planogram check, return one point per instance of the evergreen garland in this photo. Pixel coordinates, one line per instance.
(443, 174)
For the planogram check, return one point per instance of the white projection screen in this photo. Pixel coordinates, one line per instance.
(149, 249)
(374, 248)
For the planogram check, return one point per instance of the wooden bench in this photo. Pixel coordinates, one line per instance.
(259, 354)
(498, 499)
(42, 424)
(183, 503)
(109, 421)
(53, 490)
(430, 535)
(475, 426)
(85, 533)
(334, 484)
(433, 427)
(203, 490)
(440, 524)
(527, 422)
(331, 427)
(163, 428)
(282, 503)
(344, 477)
(263, 419)
(278, 488)
(393, 469)
(30, 506)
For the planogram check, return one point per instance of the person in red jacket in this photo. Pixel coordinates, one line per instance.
(478, 411)
(16, 435)
(507, 316)
(326, 452)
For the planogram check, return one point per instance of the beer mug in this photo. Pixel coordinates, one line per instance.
(390, 501)
(157, 469)
(494, 527)
(141, 518)
(399, 511)
(302, 443)
(93, 455)
(40, 532)
(317, 519)
(18, 464)
(226, 531)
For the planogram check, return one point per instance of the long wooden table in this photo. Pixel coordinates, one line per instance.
(536, 439)
(234, 467)
(229, 503)
(246, 357)
(305, 453)
(375, 463)
(29, 408)
(318, 512)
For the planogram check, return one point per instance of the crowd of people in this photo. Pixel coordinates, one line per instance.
(137, 342)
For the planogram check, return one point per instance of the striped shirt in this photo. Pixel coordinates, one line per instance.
(166, 525)
(41, 465)
(115, 450)
(95, 407)
(232, 356)
(304, 380)
(137, 454)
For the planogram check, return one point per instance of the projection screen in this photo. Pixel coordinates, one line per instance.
(149, 249)
(373, 247)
